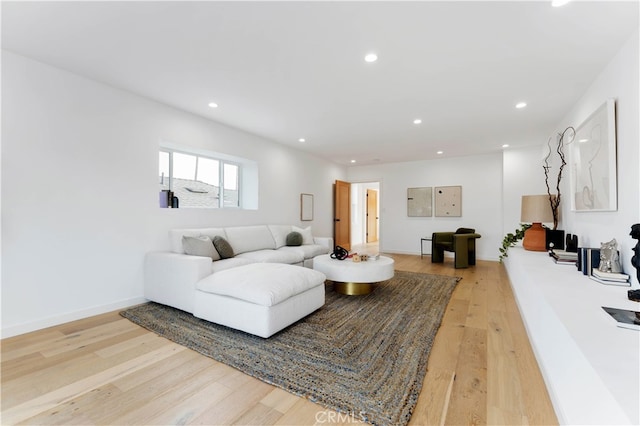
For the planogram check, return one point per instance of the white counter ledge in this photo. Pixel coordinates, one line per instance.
(590, 365)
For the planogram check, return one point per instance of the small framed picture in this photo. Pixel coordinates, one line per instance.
(306, 207)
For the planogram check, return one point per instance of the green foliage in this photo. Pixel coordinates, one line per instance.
(510, 240)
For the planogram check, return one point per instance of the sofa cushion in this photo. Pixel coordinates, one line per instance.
(280, 233)
(294, 239)
(309, 251)
(200, 246)
(250, 238)
(175, 236)
(273, 256)
(223, 247)
(307, 236)
(265, 284)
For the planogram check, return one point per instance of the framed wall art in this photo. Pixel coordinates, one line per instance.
(419, 202)
(592, 156)
(306, 207)
(448, 201)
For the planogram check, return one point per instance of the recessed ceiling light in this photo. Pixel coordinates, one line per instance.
(520, 105)
(213, 105)
(302, 140)
(583, 140)
(558, 3)
(417, 121)
(440, 152)
(371, 57)
(506, 145)
(353, 161)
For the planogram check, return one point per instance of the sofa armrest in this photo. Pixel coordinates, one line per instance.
(170, 278)
(324, 241)
(464, 237)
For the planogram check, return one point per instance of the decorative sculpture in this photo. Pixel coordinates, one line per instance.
(635, 260)
(609, 258)
(571, 243)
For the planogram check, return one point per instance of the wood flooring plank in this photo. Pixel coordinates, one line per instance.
(85, 338)
(280, 400)
(259, 414)
(181, 364)
(477, 313)
(167, 388)
(77, 411)
(468, 404)
(305, 413)
(504, 390)
(68, 367)
(179, 400)
(35, 363)
(456, 313)
(66, 343)
(61, 395)
(537, 402)
(32, 384)
(40, 337)
(135, 338)
(17, 367)
(446, 348)
(433, 402)
(74, 327)
(235, 405)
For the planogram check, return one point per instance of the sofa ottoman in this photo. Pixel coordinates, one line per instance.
(260, 298)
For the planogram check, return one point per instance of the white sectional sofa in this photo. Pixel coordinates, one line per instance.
(205, 287)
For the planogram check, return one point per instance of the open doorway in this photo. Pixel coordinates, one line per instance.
(365, 217)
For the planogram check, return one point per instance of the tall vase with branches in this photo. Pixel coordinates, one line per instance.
(564, 138)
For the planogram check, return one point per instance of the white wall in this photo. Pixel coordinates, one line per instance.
(620, 81)
(522, 175)
(481, 180)
(523, 168)
(79, 191)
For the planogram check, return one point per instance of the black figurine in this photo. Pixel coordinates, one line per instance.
(635, 260)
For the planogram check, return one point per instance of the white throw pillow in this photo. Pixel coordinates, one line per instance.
(280, 233)
(200, 246)
(307, 236)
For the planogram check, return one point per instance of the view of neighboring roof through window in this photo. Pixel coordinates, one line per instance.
(197, 180)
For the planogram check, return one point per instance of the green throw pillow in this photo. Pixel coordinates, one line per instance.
(294, 239)
(223, 247)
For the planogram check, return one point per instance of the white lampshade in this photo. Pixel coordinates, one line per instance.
(536, 209)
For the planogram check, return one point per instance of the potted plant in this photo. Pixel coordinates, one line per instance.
(555, 235)
(510, 239)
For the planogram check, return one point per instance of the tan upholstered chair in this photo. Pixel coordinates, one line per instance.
(462, 243)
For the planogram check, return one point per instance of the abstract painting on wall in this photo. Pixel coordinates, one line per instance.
(593, 162)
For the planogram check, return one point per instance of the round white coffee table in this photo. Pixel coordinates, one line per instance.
(354, 278)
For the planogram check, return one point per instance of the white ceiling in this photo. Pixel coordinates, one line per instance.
(290, 70)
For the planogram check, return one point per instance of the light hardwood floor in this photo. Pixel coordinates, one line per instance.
(106, 370)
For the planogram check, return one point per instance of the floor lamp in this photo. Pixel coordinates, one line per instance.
(536, 209)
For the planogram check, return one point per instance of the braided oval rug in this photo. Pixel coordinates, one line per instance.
(365, 356)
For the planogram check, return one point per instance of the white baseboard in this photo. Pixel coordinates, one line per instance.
(28, 327)
(447, 254)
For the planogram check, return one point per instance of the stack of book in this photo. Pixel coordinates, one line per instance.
(588, 259)
(610, 278)
(562, 257)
